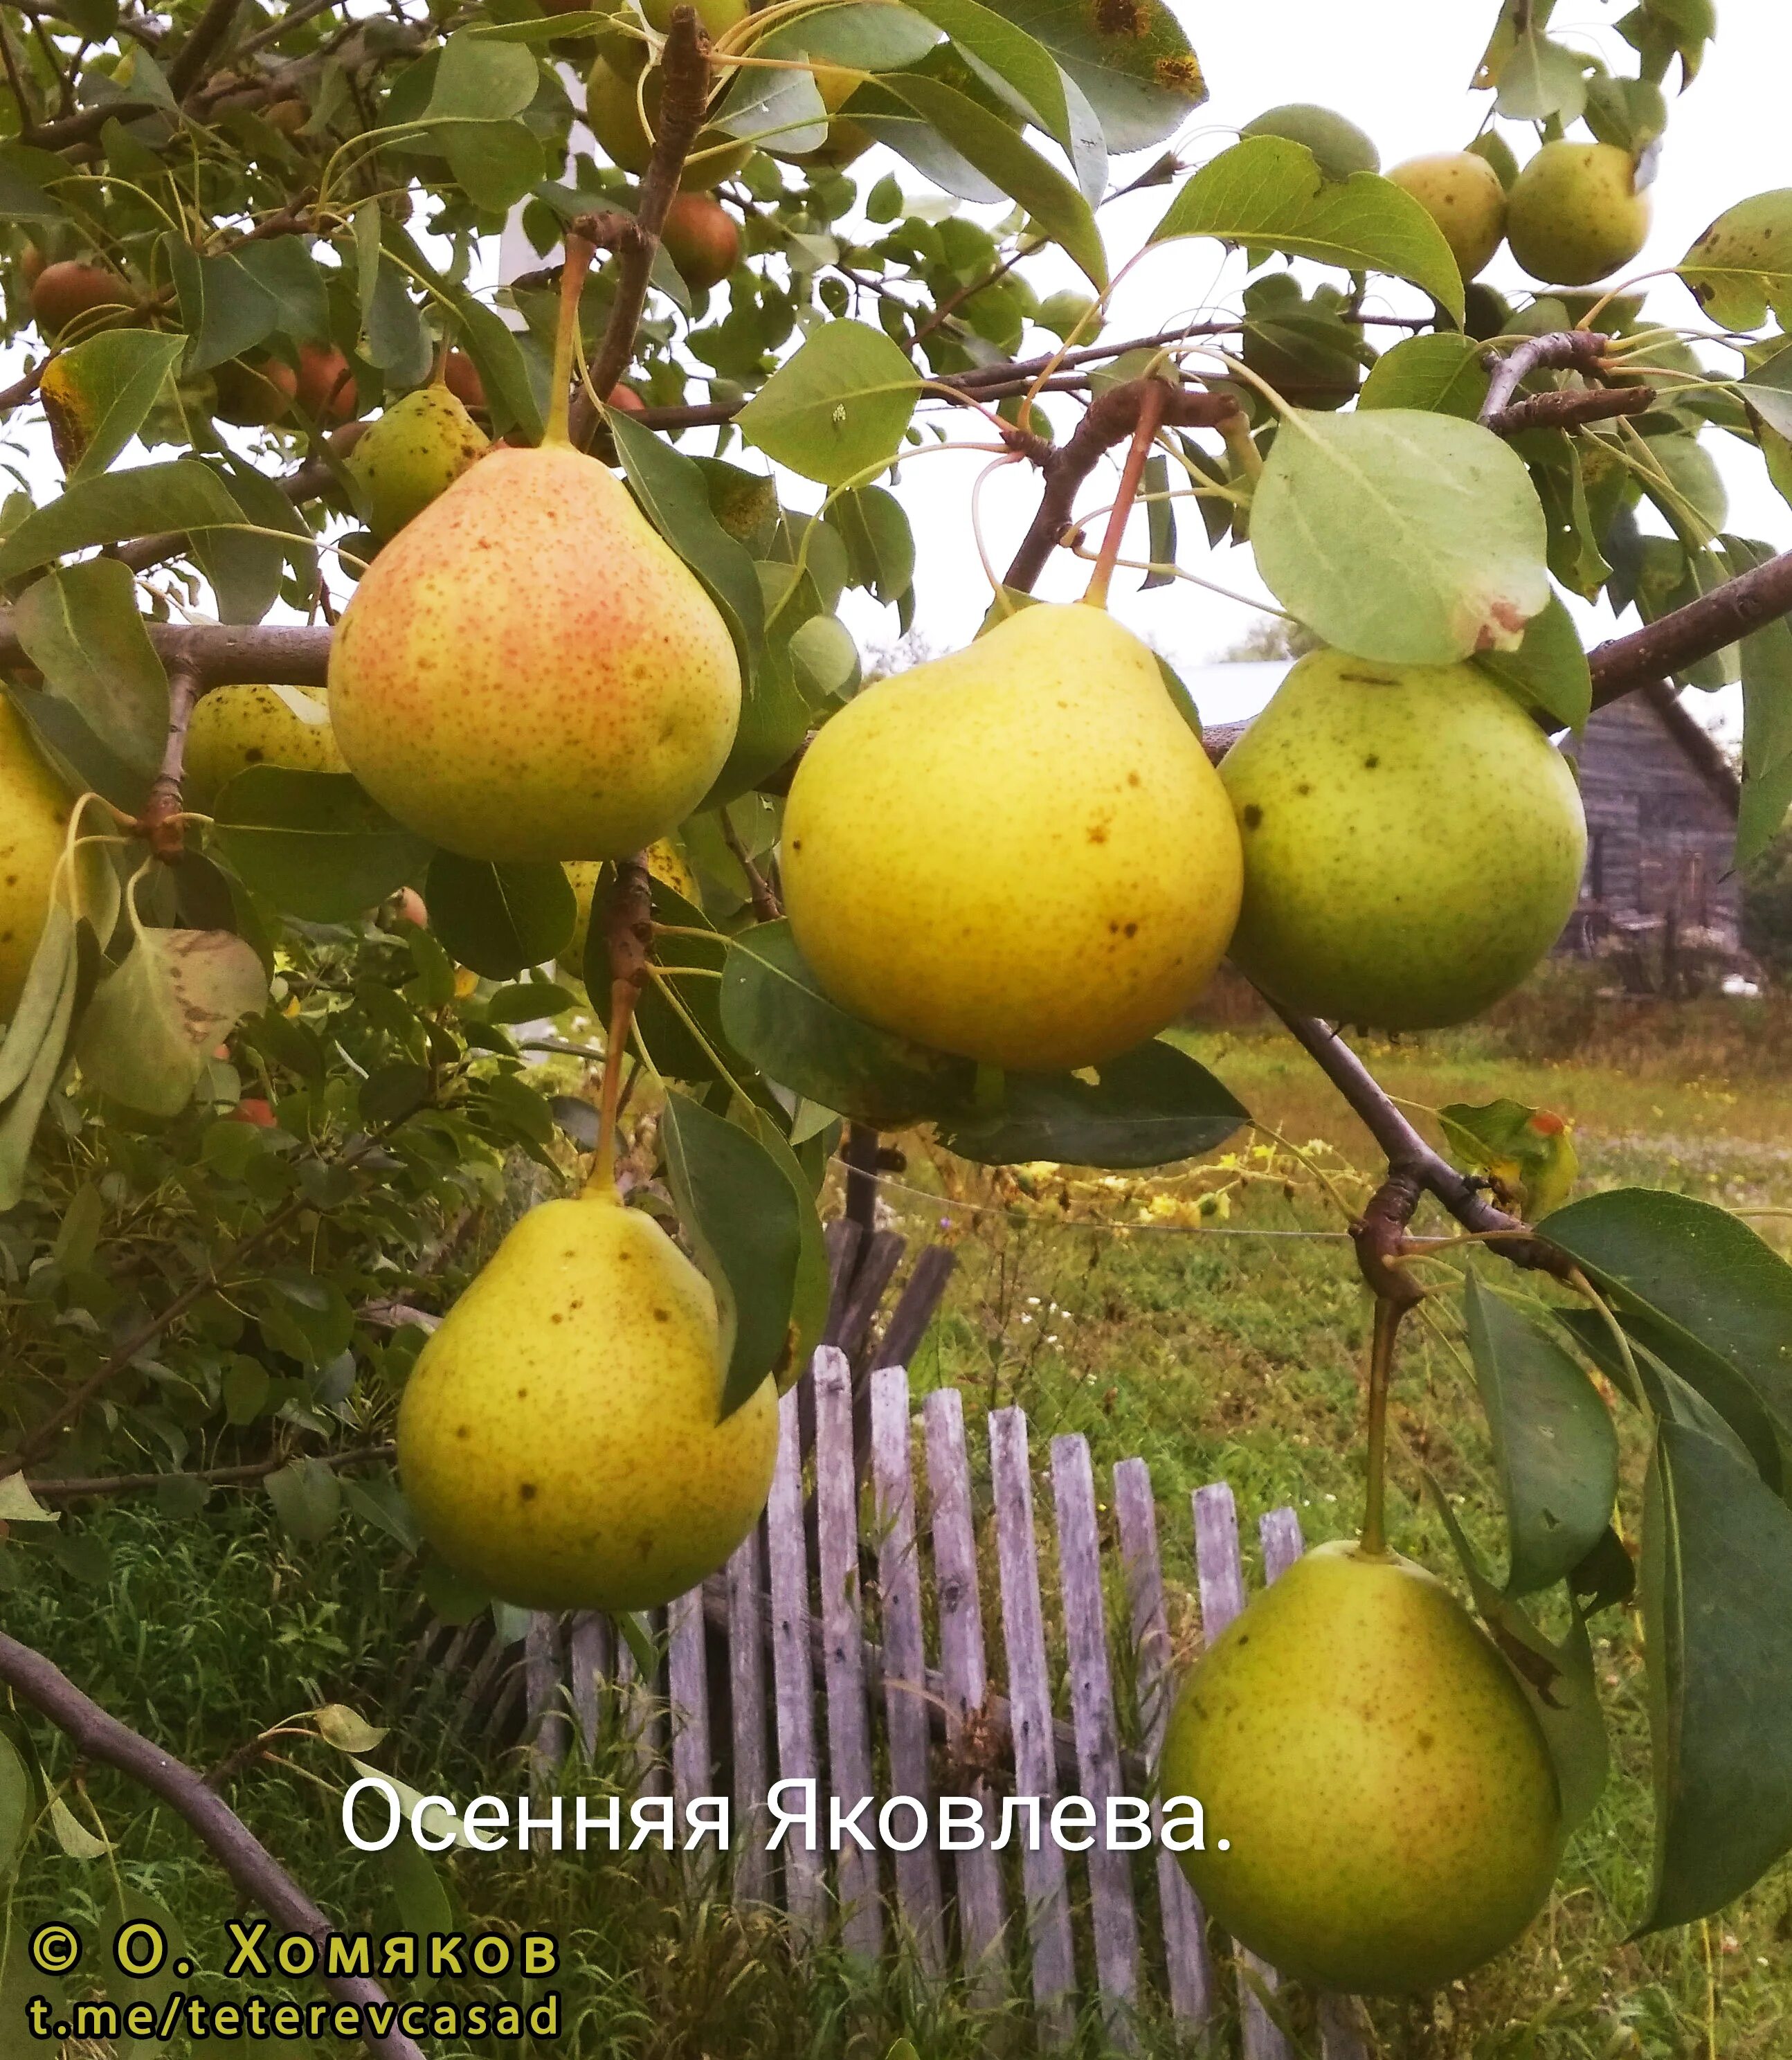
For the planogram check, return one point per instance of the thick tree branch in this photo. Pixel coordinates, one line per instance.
(249, 1863)
(1570, 406)
(1675, 641)
(1562, 350)
(220, 654)
(188, 65)
(1572, 350)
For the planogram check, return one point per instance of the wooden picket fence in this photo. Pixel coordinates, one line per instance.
(769, 1674)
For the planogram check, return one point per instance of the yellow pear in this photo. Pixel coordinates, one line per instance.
(1576, 214)
(234, 728)
(417, 450)
(528, 672)
(558, 1436)
(33, 826)
(1461, 192)
(614, 94)
(1018, 853)
(665, 861)
(1380, 1811)
(1413, 843)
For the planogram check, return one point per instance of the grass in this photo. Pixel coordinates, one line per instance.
(1190, 1337)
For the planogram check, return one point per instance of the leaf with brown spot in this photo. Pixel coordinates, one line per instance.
(144, 1037)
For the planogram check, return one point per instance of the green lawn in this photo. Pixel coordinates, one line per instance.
(1154, 1315)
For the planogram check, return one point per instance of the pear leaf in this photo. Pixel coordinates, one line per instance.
(1741, 266)
(1268, 192)
(307, 1498)
(1549, 671)
(80, 627)
(838, 408)
(15, 1807)
(98, 394)
(153, 1021)
(116, 505)
(313, 843)
(1530, 1151)
(499, 919)
(1441, 374)
(1132, 63)
(1459, 563)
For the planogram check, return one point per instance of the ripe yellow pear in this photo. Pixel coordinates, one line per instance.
(1576, 214)
(1461, 192)
(557, 1438)
(417, 450)
(1413, 843)
(665, 861)
(1387, 1801)
(33, 826)
(1018, 853)
(234, 728)
(528, 672)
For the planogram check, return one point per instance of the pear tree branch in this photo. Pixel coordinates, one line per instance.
(1567, 350)
(37, 1682)
(160, 819)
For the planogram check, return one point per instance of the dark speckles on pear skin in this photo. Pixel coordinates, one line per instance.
(1253, 816)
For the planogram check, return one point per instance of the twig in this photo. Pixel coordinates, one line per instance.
(189, 62)
(292, 18)
(1676, 641)
(766, 904)
(160, 819)
(248, 1862)
(1571, 405)
(75, 1489)
(1572, 349)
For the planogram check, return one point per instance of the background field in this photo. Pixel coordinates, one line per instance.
(1152, 1314)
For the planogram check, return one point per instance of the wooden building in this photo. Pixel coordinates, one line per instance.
(1661, 798)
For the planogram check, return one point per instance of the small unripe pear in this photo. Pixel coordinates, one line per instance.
(325, 384)
(1339, 146)
(417, 449)
(464, 382)
(612, 115)
(702, 239)
(74, 292)
(1462, 193)
(253, 395)
(1576, 214)
(234, 728)
(1413, 843)
(34, 824)
(1379, 1809)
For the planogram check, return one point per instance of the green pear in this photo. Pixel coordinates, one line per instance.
(1339, 146)
(526, 671)
(613, 95)
(1413, 843)
(1462, 193)
(34, 827)
(417, 450)
(1018, 853)
(1576, 214)
(558, 1436)
(665, 862)
(1380, 1813)
(234, 728)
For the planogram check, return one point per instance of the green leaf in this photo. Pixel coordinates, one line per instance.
(1147, 1108)
(1442, 374)
(989, 144)
(98, 394)
(1268, 192)
(880, 543)
(1549, 670)
(313, 843)
(812, 1293)
(1554, 1446)
(307, 1498)
(40, 1040)
(23, 174)
(1530, 1151)
(676, 1050)
(1741, 266)
(225, 308)
(1133, 63)
(499, 919)
(80, 627)
(1717, 1613)
(837, 409)
(528, 1001)
(478, 79)
(19, 1505)
(142, 502)
(1459, 560)
(284, 268)
(1541, 78)
(153, 1021)
(991, 44)
(740, 1213)
(16, 1810)
(1700, 1288)
(776, 1015)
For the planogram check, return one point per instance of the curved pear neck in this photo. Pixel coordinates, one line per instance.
(600, 1187)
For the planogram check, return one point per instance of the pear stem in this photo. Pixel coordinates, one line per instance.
(1388, 1313)
(579, 254)
(1150, 416)
(629, 933)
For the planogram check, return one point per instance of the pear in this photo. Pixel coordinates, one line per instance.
(527, 671)
(1018, 853)
(846, 140)
(702, 239)
(1379, 1809)
(1576, 214)
(1339, 145)
(665, 862)
(558, 1436)
(417, 449)
(1462, 193)
(234, 728)
(33, 826)
(1413, 843)
(613, 114)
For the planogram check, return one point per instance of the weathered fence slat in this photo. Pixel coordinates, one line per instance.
(1221, 1575)
(746, 1685)
(899, 1587)
(843, 1652)
(644, 1719)
(1113, 1920)
(687, 1689)
(1279, 1532)
(1185, 1945)
(544, 1696)
(927, 1284)
(877, 1263)
(792, 1664)
(588, 1663)
(1035, 1772)
(977, 1872)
